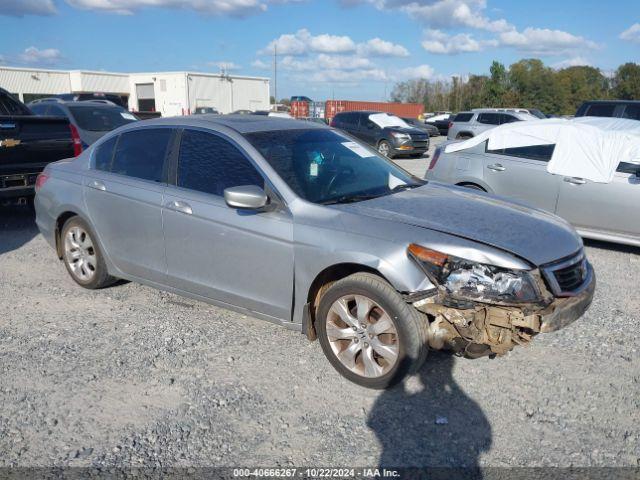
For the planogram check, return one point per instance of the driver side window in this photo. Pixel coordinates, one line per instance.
(208, 163)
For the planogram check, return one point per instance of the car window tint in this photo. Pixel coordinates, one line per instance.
(489, 118)
(208, 163)
(56, 111)
(463, 117)
(601, 110)
(533, 152)
(626, 167)
(506, 118)
(632, 112)
(38, 109)
(102, 118)
(10, 106)
(104, 155)
(141, 153)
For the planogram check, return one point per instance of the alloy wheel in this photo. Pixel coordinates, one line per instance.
(362, 336)
(80, 254)
(384, 149)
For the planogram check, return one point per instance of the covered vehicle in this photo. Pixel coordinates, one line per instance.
(300, 225)
(586, 170)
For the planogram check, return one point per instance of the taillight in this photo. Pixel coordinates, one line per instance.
(75, 137)
(434, 159)
(40, 180)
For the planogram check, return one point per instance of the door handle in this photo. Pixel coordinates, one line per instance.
(179, 206)
(575, 180)
(496, 167)
(98, 185)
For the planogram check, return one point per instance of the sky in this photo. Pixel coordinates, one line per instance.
(342, 49)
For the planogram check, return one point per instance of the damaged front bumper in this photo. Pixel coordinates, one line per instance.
(479, 329)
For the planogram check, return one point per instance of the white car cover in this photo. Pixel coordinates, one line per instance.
(384, 120)
(585, 147)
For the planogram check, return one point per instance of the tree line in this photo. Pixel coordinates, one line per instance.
(526, 84)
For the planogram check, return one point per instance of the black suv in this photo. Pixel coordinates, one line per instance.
(389, 134)
(610, 108)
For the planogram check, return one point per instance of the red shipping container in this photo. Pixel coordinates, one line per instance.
(400, 109)
(299, 109)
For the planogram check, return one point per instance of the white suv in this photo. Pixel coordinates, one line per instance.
(469, 124)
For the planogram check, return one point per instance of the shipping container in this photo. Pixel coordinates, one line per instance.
(299, 109)
(400, 109)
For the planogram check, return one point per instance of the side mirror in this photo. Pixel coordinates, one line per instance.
(247, 197)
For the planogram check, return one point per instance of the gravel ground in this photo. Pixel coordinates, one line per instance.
(130, 376)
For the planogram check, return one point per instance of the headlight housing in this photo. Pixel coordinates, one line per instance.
(465, 279)
(401, 136)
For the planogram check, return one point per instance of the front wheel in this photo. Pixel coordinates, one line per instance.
(369, 333)
(385, 149)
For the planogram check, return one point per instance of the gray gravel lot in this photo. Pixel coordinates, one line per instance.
(131, 376)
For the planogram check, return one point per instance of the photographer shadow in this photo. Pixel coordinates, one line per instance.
(437, 427)
(17, 227)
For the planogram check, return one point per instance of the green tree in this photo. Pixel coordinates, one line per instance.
(627, 82)
(577, 84)
(535, 86)
(495, 89)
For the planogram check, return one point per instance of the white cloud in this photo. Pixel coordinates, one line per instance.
(302, 42)
(225, 66)
(572, 62)
(376, 47)
(421, 71)
(543, 41)
(259, 64)
(211, 7)
(631, 34)
(436, 41)
(442, 13)
(19, 8)
(45, 57)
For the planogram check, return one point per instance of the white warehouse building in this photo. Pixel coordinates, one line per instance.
(170, 93)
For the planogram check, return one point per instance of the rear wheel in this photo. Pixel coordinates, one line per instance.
(369, 333)
(82, 256)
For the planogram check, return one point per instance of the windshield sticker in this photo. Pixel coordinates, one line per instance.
(358, 149)
(127, 116)
(313, 169)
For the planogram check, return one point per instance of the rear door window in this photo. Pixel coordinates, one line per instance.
(103, 155)
(632, 112)
(462, 117)
(209, 163)
(506, 118)
(489, 118)
(141, 153)
(542, 153)
(627, 167)
(601, 110)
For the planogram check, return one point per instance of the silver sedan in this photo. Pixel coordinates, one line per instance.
(303, 226)
(601, 211)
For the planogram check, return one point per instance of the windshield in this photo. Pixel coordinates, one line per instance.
(101, 119)
(384, 120)
(324, 166)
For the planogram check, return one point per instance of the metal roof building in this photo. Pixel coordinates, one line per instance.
(170, 93)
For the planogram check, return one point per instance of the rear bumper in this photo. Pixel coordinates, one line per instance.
(17, 185)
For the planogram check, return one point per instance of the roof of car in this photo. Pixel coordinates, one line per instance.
(73, 103)
(239, 123)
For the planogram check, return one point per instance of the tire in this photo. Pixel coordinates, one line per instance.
(82, 256)
(369, 356)
(385, 148)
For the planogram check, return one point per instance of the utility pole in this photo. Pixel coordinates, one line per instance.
(275, 75)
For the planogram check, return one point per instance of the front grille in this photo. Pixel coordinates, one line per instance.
(567, 277)
(420, 144)
(420, 138)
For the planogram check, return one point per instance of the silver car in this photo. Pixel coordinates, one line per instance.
(469, 124)
(601, 211)
(301, 225)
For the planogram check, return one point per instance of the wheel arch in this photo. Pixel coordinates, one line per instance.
(60, 221)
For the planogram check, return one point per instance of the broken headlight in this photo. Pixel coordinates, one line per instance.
(466, 279)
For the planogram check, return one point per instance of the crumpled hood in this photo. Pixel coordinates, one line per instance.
(534, 235)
